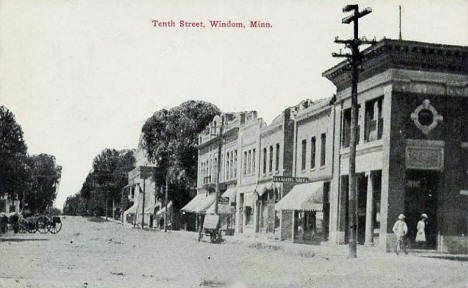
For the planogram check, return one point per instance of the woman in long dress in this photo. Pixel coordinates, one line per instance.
(421, 231)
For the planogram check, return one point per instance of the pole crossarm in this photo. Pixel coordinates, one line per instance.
(345, 55)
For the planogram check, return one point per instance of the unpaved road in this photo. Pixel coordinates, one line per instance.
(106, 254)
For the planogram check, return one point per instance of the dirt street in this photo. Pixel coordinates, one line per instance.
(105, 254)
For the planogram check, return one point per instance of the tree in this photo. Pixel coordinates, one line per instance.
(170, 140)
(75, 205)
(42, 178)
(12, 154)
(103, 185)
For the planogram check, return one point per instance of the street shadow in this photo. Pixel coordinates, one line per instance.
(21, 239)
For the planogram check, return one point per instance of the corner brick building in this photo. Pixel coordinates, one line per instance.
(411, 155)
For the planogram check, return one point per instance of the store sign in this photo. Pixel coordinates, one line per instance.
(424, 156)
(223, 200)
(287, 179)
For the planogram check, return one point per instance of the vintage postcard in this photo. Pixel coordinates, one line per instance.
(209, 143)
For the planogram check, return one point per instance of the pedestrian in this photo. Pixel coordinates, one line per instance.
(400, 229)
(421, 231)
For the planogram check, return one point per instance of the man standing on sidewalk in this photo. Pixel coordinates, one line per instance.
(400, 229)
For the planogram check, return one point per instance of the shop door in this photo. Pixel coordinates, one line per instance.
(421, 197)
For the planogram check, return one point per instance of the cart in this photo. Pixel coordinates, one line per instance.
(210, 228)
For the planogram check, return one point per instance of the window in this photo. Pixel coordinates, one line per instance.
(374, 121)
(264, 160)
(245, 163)
(235, 164)
(346, 131)
(323, 149)
(270, 167)
(304, 151)
(253, 161)
(249, 163)
(312, 152)
(277, 157)
(226, 166)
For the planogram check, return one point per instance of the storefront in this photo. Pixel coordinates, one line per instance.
(304, 205)
(198, 206)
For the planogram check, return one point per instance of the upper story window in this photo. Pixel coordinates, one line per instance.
(374, 120)
(277, 158)
(304, 151)
(323, 147)
(346, 131)
(253, 161)
(312, 152)
(270, 167)
(235, 164)
(264, 160)
(249, 163)
(245, 163)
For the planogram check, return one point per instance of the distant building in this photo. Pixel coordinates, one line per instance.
(141, 185)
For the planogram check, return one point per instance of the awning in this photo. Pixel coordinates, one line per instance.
(230, 193)
(150, 209)
(262, 188)
(200, 203)
(131, 210)
(163, 210)
(305, 197)
(222, 209)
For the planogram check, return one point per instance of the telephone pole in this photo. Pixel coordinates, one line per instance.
(356, 60)
(165, 203)
(218, 168)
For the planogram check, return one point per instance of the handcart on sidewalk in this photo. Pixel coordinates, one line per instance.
(211, 227)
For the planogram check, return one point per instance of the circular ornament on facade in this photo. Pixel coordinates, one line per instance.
(426, 117)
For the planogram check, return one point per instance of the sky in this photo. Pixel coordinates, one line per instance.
(81, 76)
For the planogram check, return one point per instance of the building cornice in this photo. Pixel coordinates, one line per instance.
(398, 54)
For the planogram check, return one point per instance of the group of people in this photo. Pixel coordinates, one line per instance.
(401, 229)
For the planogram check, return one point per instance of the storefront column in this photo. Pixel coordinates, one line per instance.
(369, 236)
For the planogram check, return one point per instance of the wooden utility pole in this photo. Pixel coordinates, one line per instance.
(218, 168)
(356, 59)
(143, 205)
(165, 203)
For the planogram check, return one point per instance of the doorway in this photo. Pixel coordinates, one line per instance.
(421, 197)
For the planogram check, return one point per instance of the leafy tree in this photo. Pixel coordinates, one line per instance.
(103, 185)
(12, 154)
(170, 140)
(43, 178)
(75, 205)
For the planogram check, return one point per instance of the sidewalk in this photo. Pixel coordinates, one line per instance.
(325, 250)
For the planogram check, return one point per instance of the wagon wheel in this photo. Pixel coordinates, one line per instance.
(54, 227)
(42, 224)
(23, 226)
(32, 227)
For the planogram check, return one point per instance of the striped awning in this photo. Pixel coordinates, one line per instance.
(200, 203)
(303, 197)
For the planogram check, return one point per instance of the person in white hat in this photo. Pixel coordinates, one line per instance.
(400, 229)
(421, 231)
